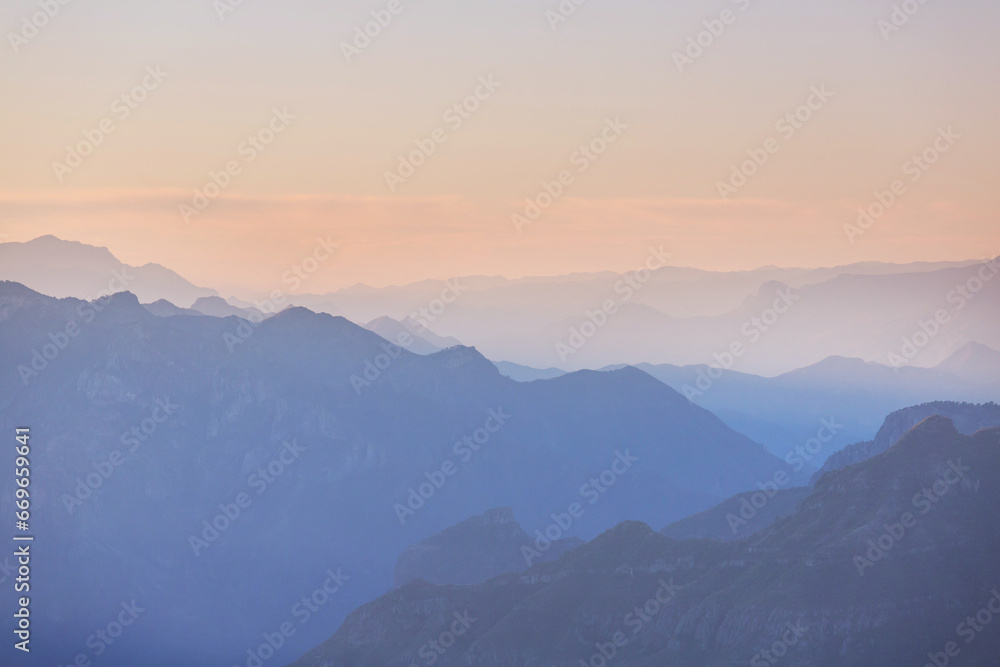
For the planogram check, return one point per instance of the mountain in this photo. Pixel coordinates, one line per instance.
(888, 562)
(473, 551)
(787, 412)
(975, 363)
(966, 417)
(71, 269)
(421, 339)
(784, 318)
(276, 452)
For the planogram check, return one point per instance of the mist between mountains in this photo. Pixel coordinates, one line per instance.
(625, 290)
(925, 331)
(751, 331)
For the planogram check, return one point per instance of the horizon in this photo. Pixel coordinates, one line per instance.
(247, 293)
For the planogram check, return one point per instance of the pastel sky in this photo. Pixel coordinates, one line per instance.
(657, 183)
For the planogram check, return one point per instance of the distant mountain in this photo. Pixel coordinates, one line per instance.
(475, 550)
(906, 315)
(966, 417)
(975, 363)
(888, 562)
(526, 373)
(216, 306)
(70, 269)
(788, 412)
(347, 450)
(422, 340)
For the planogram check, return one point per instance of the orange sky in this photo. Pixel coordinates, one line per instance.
(552, 92)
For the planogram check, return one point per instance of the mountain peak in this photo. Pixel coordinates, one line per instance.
(935, 428)
(974, 362)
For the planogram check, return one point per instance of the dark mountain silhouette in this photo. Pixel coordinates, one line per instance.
(967, 418)
(883, 564)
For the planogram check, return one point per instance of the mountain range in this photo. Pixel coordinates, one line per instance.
(191, 454)
(918, 314)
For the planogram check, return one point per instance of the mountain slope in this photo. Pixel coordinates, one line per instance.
(815, 589)
(473, 551)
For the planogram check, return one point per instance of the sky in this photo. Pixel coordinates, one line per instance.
(667, 121)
